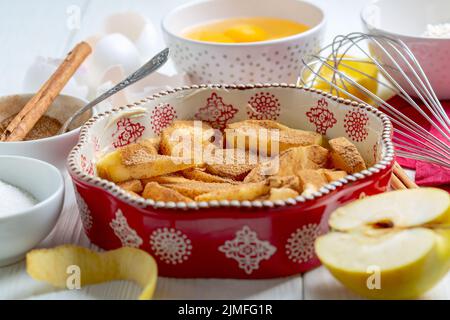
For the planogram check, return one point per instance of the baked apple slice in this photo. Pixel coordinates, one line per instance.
(115, 167)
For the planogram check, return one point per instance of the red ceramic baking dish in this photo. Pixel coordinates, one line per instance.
(226, 239)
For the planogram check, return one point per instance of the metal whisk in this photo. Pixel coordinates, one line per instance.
(401, 74)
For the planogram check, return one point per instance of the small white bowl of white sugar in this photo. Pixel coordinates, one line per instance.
(424, 26)
(31, 199)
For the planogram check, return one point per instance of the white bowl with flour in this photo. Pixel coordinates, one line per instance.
(31, 196)
(423, 25)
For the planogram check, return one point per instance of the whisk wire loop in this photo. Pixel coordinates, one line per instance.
(399, 74)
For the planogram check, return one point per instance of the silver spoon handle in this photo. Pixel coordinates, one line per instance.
(154, 64)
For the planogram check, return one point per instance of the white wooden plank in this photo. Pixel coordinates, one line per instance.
(206, 289)
(441, 291)
(175, 289)
(184, 289)
(319, 284)
(116, 290)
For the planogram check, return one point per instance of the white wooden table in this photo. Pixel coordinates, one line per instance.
(31, 28)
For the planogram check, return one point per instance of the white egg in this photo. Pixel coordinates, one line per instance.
(148, 42)
(114, 49)
(40, 71)
(138, 29)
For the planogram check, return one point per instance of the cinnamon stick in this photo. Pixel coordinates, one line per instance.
(36, 107)
(403, 177)
(396, 184)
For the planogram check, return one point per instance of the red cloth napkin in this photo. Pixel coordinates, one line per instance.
(426, 174)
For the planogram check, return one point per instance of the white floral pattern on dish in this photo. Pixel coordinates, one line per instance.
(300, 246)
(127, 235)
(170, 245)
(247, 249)
(85, 213)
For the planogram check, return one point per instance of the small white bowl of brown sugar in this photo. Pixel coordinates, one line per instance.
(30, 123)
(43, 141)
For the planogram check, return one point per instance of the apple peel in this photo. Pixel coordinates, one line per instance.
(52, 265)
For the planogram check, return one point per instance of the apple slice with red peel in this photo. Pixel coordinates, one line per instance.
(394, 245)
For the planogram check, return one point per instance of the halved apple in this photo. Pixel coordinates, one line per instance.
(394, 245)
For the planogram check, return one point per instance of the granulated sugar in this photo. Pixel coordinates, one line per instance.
(13, 199)
(437, 30)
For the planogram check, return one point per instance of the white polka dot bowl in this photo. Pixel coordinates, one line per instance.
(278, 60)
(226, 239)
(407, 20)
